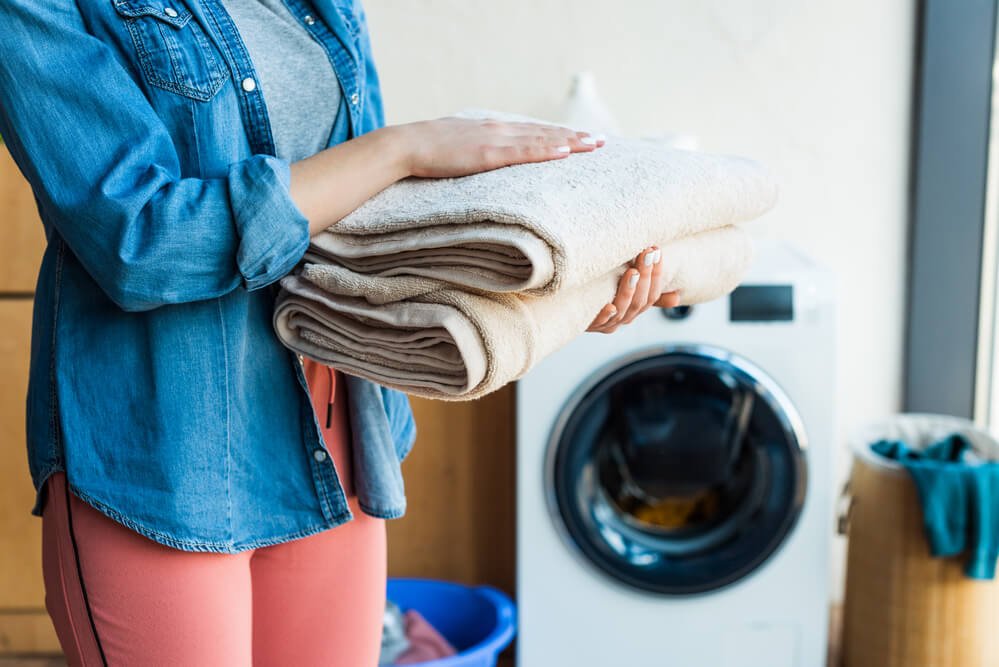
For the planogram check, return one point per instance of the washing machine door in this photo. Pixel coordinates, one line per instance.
(677, 471)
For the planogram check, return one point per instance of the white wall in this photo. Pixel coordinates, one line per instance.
(820, 91)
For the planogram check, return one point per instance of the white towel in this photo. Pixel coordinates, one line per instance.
(538, 228)
(429, 338)
(451, 288)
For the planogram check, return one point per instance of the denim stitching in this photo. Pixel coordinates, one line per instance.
(54, 432)
(228, 420)
(260, 136)
(128, 8)
(153, 77)
(171, 48)
(256, 276)
(203, 546)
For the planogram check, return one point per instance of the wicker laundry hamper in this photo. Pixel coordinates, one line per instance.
(904, 608)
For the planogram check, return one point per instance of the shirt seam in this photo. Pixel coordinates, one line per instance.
(54, 430)
(228, 425)
(231, 546)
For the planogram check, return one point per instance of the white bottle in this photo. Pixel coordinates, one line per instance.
(585, 111)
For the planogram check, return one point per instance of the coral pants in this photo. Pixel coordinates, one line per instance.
(118, 598)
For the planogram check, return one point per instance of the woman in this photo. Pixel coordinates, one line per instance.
(195, 510)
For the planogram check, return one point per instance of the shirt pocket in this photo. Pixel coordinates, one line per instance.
(173, 50)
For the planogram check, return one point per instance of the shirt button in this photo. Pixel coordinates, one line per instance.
(319, 455)
(354, 99)
(308, 19)
(171, 12)
(249, 85)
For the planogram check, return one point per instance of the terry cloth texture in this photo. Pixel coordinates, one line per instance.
(451, 288)
(538, 228)
(429, 338)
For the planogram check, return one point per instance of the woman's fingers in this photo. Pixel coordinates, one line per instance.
(639, 289)
(668, 300)
(602, 317)
(554, 137)
(541, 146)
(646, 262)
(656, 280)
(622, 300)
(451, 147)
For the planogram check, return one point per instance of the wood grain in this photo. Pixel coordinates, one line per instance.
(24, 625)
(460, 485)
(22, 239)
(904, 608)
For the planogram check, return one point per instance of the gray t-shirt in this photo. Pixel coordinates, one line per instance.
(294, 74)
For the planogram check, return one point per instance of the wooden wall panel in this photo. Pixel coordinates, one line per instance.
(460, 484)
(24, 625)
(22, 239)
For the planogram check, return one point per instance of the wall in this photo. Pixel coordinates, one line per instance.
(820, 91)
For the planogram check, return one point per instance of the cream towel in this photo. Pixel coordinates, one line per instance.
(426, 337)
(539, 228)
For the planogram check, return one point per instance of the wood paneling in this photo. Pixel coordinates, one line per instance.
(22, 239)
(460, 485)
(27, 633)
(24, 626)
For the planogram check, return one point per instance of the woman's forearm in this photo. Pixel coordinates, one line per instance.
(331, 184)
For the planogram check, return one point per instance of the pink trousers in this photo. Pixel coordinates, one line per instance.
(118, 598)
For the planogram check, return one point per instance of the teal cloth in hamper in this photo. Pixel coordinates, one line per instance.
(959, 498)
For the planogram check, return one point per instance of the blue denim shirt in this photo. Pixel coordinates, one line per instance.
(157, 382)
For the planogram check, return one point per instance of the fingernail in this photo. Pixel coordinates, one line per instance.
(599, 137)
(650, 258)
(613, 311)
(588, 141)
(633, 280)
(563, 149)
(659, 256)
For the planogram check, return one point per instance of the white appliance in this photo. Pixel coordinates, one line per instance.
(674, 491)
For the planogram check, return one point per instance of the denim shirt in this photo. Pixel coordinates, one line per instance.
(157, 382)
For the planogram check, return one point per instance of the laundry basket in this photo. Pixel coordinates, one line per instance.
(478, 621)
(904, 608)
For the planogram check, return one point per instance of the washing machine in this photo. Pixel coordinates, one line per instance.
(674, 489)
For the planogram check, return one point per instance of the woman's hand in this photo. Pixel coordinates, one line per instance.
(450, 147)
(640, 288)
(332, 183)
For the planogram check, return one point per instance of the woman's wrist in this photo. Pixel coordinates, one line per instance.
(397, 145)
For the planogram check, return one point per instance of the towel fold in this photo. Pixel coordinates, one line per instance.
(429, 338)
(538, 228)
(451, 288)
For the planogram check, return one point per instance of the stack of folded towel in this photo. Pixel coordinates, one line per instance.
(451, 288)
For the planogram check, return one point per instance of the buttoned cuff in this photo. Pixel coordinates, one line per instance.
(273, 232)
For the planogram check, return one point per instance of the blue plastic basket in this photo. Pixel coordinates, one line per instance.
(478, 621)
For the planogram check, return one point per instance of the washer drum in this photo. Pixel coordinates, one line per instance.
(678, 471)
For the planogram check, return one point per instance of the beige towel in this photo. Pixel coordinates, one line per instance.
(426, 337)
(539, 228)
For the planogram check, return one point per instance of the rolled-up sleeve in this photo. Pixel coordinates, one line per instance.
(273, 233)
(107, 176)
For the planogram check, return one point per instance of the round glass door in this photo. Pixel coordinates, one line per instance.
(678, 471)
